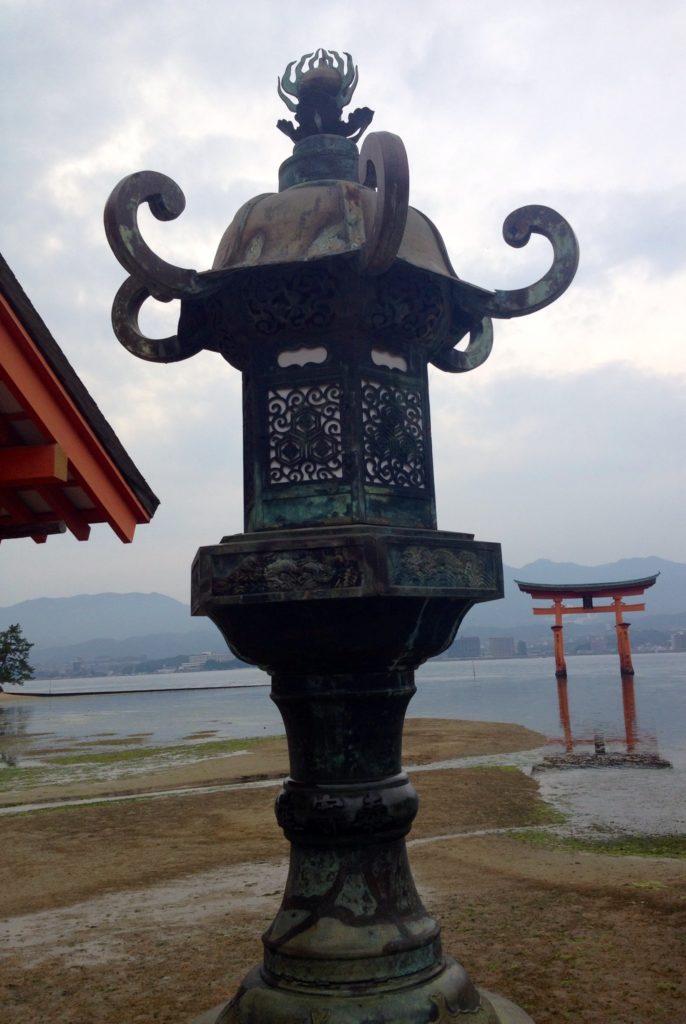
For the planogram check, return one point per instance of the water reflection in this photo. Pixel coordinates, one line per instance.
(635, 748)
(629, 707)
(14, 726)
(565, 717)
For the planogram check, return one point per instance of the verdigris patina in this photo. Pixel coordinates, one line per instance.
(332, 296)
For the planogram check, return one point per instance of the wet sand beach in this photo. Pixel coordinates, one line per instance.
(149, 906)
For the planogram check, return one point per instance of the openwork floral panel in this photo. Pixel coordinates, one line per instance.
(393, 435)
(305, 434)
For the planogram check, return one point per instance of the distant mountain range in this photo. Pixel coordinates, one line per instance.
(153, 626)
(115, 626)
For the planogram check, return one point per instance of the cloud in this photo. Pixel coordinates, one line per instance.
(499, 105)
(582, 466)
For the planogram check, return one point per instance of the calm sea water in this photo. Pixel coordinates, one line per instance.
(168, 708)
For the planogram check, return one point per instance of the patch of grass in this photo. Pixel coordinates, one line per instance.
(197, 750)
(11, 777)
(673, 847)
(545, 814)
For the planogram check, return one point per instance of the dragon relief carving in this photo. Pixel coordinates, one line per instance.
(440, 567)
(286, 572)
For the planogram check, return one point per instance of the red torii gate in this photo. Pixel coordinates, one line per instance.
(558, 593)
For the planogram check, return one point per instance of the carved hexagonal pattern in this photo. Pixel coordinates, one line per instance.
(304, 426)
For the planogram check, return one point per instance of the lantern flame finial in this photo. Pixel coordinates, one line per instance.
(315, 89)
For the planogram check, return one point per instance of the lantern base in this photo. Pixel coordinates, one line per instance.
(257, 1003)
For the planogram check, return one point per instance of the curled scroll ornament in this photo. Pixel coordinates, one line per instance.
(125, 309)
(517, 231)
(383, 165)
(477, 351)
(150, 276)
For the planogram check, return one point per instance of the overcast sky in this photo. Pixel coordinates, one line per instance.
(567, 444)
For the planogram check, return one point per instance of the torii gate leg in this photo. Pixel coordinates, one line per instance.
(558, 642)
(623, 644)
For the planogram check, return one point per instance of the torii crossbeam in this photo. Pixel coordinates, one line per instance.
(558, 593)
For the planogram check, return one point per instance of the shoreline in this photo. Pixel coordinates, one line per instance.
(146, 689)
(481, 661)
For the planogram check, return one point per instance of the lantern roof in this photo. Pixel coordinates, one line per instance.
(318, 220)
(334, 203)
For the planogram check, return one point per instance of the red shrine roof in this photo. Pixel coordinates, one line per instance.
(545, 591)
(61, 464)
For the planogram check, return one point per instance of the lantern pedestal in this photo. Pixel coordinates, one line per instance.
(340, 618)
(260, 1005)
(332, 296)
(503, 1012)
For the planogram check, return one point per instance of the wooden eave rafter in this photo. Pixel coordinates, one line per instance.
(78, 448)
(33, 465)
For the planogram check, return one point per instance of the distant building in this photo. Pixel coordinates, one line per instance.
(194, 662)
(679, 640)
(522, 650)
(223, 658)
(467, 647)
(199, 662)
(500, 647)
